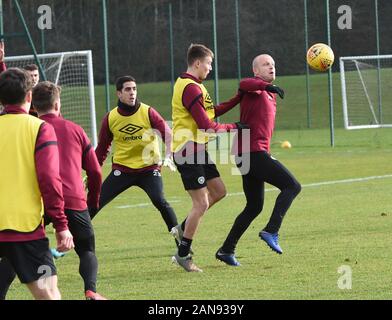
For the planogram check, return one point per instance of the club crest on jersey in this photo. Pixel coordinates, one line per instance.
(207, 98)
(201, 180)
(117, 173)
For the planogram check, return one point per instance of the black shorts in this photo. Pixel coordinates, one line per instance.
(196, 170)
(31, 260)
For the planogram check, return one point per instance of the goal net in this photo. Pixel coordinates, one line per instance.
(366, 91)
(73, 71)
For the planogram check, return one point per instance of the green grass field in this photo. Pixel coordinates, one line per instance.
(343, 217)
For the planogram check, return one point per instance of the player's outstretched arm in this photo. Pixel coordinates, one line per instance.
(252, 84)
(226, 106)
(256, 84)
(194, 102)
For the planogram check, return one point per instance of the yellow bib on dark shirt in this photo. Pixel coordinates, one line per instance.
(21, 207)
(135, 143)
(185, 128)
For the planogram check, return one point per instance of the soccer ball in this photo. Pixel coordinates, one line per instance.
(285, 145)
(320, 57)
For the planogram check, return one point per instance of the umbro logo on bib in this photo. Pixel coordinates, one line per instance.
(130, 129)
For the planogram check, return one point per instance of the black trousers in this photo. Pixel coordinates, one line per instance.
(150, 182)
(263, 168)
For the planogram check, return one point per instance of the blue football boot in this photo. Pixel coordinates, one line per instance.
(228, 258)
(272, 239)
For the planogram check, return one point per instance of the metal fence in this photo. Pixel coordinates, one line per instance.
(149, 38)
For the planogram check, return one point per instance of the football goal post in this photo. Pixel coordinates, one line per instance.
(73, 71)
(366, 91)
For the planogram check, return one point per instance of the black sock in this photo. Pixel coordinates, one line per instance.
(185, 246)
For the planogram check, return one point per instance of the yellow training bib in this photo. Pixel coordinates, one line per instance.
(21, 206)
(184, 126)
(135, 143)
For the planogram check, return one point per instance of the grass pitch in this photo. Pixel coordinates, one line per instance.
(344, 222)
(341, 219)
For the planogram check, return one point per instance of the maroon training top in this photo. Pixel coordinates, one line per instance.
(76, 152)
(49, 181)
(106, 136)
(258, 109)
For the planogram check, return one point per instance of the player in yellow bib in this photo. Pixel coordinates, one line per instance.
(134, 127)
(193, 112)
(30, 181)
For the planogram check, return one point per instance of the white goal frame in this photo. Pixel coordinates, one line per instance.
(355, 59)
(90, 79)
